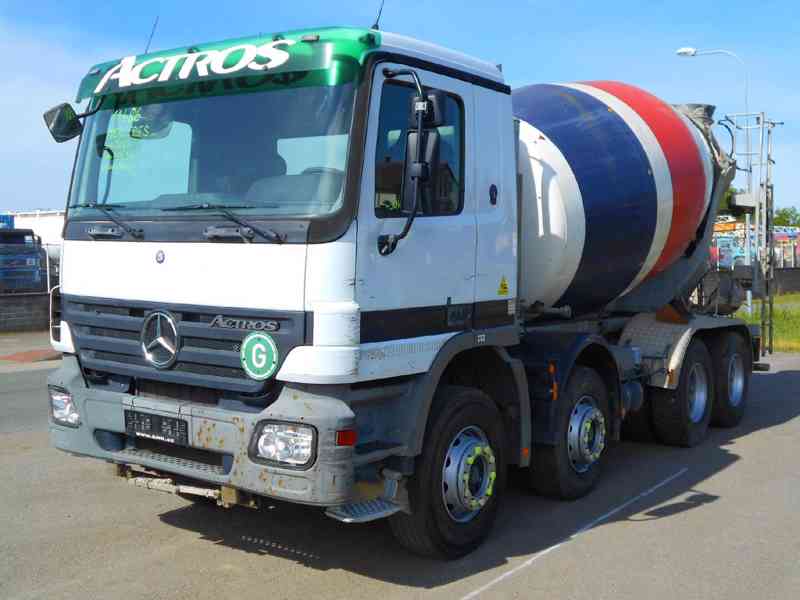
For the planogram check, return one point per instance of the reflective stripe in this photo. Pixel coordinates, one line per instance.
(660, 170)
(685, 165)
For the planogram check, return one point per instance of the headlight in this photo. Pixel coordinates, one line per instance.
(62, 407)
(285, 443)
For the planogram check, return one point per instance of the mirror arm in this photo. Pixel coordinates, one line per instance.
(96, 109)
(388, 243)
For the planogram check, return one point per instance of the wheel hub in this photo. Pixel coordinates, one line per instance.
(468, 474)
(697, 392)
(735, 380)
(586, 434)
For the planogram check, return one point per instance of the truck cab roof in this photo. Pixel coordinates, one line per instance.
(351, 43)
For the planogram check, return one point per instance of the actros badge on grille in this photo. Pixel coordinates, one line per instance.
(160, 339)
(252, 324)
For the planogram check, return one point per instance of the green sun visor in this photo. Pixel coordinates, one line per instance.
(327, 56)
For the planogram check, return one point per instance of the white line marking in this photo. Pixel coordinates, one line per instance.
(584, 529)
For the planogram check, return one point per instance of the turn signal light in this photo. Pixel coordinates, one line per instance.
(346, 437)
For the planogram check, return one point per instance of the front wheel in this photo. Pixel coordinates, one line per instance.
(459, 477)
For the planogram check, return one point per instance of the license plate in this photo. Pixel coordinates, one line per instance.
(157, 427)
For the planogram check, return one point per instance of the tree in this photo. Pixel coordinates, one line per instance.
(788, 217)
(725, 204)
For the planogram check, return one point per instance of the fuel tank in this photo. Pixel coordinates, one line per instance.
(615, 184)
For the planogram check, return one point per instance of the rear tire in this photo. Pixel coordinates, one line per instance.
(681, 416)
(733, 363)
(564, 470)
(451, 516)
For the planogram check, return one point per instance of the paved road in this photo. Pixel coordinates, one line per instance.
(718, 521)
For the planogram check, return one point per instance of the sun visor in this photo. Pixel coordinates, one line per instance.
(264, 58)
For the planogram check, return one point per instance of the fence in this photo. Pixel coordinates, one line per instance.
(787, 281)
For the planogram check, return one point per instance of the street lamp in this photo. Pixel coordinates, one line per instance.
(688, 51)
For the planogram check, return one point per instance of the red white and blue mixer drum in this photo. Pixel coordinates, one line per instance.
(615, 184)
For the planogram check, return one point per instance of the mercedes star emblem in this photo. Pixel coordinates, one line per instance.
(160, 339)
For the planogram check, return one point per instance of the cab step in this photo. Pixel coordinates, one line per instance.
(362, 512)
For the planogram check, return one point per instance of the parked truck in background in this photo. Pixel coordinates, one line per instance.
(353, 270)
(23, 266)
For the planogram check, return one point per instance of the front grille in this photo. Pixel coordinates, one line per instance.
(175, 391)
(171, 455)
(107, 338)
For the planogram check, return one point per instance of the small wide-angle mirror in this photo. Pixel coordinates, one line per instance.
(63, 122)
(435, 112)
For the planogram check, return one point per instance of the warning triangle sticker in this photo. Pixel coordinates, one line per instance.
(502, 290)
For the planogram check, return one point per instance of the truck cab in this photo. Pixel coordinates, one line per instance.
(222, 267)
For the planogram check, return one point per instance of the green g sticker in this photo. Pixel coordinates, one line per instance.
(259, 355)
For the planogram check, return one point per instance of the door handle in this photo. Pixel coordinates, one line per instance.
(493, 195)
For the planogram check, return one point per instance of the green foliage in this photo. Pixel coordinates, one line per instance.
(725, 203)
(787, 217)
(786, 323)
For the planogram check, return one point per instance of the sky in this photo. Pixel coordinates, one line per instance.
(48, 46)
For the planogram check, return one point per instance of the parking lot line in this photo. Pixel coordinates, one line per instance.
(584, 529)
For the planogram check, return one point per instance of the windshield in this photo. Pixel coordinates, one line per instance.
(275, 153)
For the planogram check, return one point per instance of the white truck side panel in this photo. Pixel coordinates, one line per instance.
(496, 260)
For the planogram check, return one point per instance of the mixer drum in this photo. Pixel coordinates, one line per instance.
(615, 184)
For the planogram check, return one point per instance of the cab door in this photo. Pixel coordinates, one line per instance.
(426, 287)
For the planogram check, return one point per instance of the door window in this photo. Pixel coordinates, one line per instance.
(393, 128)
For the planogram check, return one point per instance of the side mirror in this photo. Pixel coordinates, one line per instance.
(425, 171)
(63, 123)
(434, 113)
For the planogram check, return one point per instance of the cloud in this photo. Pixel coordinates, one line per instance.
(40, 69)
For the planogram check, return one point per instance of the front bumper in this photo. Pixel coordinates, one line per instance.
(212, 430)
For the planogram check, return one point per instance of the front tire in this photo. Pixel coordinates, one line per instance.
(681, 416)
(459, 478)
(571, 468)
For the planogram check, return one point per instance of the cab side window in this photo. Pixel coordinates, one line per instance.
(393, 128)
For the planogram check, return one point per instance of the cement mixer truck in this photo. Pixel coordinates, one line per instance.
(356, 271)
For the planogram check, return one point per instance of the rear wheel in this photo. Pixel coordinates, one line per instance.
(459, 477)
(571, 467)
(681, 416)
(732, 361)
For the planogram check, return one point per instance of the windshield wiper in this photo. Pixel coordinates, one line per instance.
(108, 210)
(247, 228)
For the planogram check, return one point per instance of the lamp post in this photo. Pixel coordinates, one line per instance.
(695, 52)
(689, 52)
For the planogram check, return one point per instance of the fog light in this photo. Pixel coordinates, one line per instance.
(62, 407)
(286, 443)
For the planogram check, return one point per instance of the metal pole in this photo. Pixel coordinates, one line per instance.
(770, 239)
(747, 260)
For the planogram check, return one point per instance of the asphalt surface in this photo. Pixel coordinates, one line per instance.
(719, 521)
